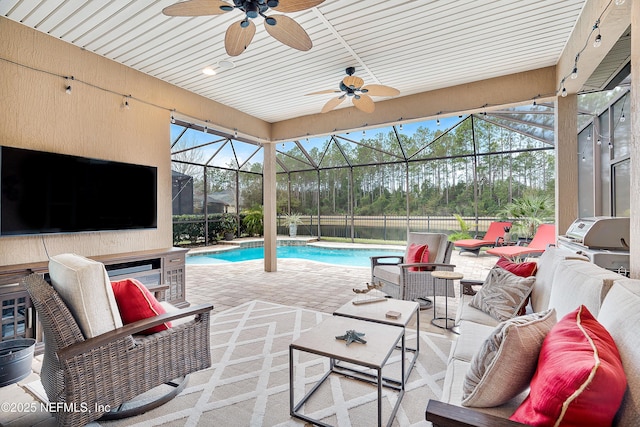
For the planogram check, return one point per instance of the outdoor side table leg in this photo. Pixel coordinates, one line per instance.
(380, 396)
(435, 279)
(446, 307)
(446, 304)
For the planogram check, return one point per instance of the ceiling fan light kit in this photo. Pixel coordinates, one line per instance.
(353, 87)
(240, 34)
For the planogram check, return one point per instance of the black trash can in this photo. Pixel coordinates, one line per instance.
(15, 360)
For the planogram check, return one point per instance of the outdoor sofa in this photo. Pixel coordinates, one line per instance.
(563, 282)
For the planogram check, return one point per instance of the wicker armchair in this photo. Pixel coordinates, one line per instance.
(95, 374)
(414, 282)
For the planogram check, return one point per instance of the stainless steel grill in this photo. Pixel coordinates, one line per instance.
(604, 240)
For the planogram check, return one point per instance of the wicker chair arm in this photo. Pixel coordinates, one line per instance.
(375, 260)
(445, 415)
(472, 282)
(466, 286)
(435, 265)
(130, 329)
(156, 288)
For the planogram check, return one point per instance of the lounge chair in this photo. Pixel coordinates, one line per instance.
(492, 237)
(545, 236)
(91, 368)
(406, 279)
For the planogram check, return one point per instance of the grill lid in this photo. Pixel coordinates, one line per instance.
(601, 232)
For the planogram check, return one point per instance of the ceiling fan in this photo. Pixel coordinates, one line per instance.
(352, 87)
(239, 34)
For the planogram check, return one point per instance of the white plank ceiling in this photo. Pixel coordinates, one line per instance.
(412, 45)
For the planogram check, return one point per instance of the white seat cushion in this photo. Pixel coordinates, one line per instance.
(390, 273)
(85, 288)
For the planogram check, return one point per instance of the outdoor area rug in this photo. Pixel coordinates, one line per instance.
(248, 383)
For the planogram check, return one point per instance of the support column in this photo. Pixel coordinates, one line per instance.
(634, 148)
(269, 191)
(566, 140)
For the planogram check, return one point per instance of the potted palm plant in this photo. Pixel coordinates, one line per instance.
(253, 221)
(292, 220)
(228, 226)
(528, 212)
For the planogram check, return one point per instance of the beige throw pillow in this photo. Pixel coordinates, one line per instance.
(503, 294)
(505, 363)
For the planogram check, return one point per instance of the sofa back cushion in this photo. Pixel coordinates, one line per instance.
(84, 286)
(579, 283)
(547, 264)
(620, 314)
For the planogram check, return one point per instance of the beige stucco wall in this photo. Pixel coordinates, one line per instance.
(499, 92)
(38, 114)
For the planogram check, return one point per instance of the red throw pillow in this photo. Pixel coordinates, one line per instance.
(579, 380)
(417, 253)
(522, 269)
(135, 302)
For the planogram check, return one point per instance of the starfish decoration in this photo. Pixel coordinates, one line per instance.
(370, 287)
(351, 336)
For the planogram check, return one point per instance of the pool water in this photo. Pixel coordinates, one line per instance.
(336, 256)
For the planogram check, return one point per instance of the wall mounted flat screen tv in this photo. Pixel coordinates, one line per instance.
(44, 192)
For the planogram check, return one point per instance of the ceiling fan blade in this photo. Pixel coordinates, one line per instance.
(287, 6)
(353, 82)
(322, 92)
(195, 8)
(380, 90)
(238, 38)
(332, 103)
(364, 103)
(289, 32)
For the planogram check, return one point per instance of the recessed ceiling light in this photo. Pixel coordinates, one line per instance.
(226, 64)
(209, 71)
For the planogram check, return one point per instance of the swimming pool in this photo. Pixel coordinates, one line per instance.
(337, 256)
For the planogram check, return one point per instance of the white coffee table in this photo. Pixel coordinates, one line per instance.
(377, 312)
(381, 339)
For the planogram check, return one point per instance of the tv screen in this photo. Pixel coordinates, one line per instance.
(55, 193)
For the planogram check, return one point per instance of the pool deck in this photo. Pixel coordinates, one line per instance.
(313, 285)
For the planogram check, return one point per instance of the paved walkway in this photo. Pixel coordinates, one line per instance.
(313, 285)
